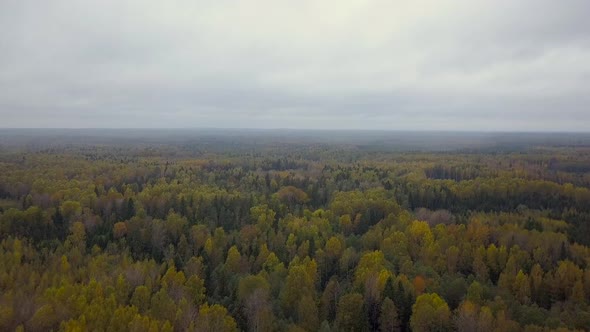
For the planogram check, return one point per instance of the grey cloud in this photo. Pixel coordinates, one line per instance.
(452, 65)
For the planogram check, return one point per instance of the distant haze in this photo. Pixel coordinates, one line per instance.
(404, 65)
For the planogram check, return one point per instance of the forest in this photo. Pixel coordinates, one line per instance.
(293, 231)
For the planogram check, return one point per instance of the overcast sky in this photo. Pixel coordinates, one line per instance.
(442, 65)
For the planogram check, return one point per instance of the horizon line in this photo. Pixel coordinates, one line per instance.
(491, 131)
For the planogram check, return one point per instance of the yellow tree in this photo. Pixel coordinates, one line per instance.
(521, 287)
(214, 319)
(430, 313)
(349, 316)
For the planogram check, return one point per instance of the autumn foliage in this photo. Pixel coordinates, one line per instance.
(300, 238)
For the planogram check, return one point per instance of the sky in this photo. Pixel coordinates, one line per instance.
(469, 65)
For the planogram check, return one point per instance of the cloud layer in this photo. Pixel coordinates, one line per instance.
(382, 64)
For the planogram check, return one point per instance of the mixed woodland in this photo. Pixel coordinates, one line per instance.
(214, 235)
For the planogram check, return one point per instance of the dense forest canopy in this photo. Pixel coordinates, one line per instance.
(163, 230)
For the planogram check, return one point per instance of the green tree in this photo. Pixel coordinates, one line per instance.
(253, 293)
(388, 318)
